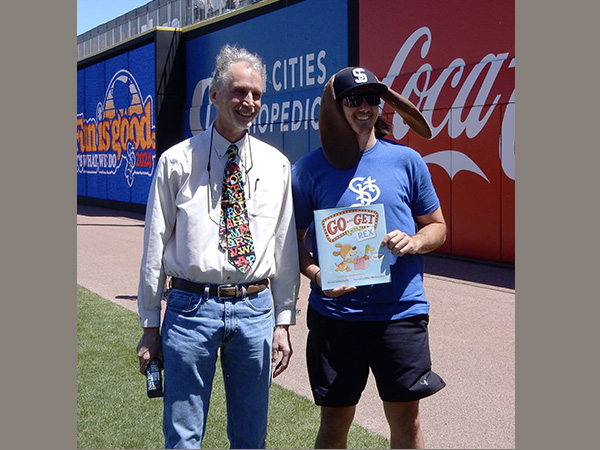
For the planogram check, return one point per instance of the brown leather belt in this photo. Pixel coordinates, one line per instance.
(220, 290)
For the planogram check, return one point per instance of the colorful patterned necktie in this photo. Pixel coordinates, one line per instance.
(234, 227)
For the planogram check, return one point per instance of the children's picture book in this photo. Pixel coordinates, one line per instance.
(349, 246)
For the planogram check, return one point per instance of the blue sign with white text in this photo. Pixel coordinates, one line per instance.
(302, 46)
(116, 136)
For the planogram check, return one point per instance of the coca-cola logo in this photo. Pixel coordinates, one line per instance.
(475, 82)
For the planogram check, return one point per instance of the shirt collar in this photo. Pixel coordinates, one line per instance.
(220, 144)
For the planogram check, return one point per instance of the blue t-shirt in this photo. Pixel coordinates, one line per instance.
(387, 173)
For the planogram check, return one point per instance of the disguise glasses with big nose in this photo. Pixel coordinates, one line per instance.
(355, 100)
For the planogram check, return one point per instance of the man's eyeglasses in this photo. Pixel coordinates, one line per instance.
(355, 100)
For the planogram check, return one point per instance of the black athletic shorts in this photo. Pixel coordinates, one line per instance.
(339, 354)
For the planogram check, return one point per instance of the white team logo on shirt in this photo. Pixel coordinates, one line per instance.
(366, 189)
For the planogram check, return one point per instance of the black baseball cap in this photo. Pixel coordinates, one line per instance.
(352, 77)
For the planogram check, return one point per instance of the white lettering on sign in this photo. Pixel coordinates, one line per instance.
(456, 76)
(299, 71)
(300, 114)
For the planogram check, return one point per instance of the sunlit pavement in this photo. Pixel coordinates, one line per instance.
(472, 333)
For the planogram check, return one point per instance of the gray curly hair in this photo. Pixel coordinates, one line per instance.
(230, 54)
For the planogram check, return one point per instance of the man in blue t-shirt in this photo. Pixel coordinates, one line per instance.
(381, 327)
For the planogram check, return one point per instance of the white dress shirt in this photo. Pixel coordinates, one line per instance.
(181, 235)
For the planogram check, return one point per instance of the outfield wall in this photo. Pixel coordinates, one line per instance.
(455, 60)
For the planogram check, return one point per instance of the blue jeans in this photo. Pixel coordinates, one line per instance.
(194, 329)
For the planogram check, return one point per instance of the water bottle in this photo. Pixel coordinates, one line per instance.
(154, 379)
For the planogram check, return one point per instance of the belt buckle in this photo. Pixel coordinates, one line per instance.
(222, 296)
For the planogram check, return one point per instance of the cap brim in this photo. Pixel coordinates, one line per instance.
(380, 88)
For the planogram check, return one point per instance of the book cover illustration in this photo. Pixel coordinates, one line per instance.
(348, 242)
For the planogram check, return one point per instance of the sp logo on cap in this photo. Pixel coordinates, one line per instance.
(359, 75)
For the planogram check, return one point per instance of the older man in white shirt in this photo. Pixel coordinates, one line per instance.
(232, 296)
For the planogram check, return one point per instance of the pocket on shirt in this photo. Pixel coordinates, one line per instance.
(265, 199)
(182, 302)
(263, 215)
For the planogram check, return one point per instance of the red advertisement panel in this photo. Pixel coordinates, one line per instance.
(455, 60)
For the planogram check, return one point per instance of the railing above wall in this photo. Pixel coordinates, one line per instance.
(156, 13)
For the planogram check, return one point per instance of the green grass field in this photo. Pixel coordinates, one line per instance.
(113, 410)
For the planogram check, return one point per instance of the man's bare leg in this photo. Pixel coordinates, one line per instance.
(335, 424)
(405, 426)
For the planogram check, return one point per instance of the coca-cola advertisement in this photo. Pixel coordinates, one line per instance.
(455, 60)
